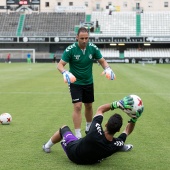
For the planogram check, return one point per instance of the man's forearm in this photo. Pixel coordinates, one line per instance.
(129, 128)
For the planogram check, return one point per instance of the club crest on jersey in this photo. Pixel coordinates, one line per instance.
(77, 57)
(90, 56)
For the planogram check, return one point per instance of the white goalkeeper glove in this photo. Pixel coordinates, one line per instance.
(68, 77)
(109, 73)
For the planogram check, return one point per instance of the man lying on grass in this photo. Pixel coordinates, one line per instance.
(98, 143)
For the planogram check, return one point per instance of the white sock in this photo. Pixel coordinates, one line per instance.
(78, 133)
(88, 124)
(49, 144)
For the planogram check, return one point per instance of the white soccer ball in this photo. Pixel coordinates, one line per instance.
(138, 104)
(5, 118)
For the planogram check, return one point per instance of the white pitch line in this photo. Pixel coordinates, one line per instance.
(98, 93)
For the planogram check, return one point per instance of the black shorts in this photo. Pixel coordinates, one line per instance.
(82, 93)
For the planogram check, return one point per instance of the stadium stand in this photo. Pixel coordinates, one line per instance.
(151, 25)
(146, 53)
(155, 23)
(42, 24)
(9, 23)
(110, 53)
(2, 20)
(119, 23)
(63, 24)
(52, 24)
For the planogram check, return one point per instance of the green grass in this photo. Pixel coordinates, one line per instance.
(39, 102)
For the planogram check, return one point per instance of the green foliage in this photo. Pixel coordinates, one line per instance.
(39, 102)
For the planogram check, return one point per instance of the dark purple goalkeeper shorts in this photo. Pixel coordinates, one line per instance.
(67, 136)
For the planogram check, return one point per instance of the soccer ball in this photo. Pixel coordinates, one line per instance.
(138, 104)
(5, 118)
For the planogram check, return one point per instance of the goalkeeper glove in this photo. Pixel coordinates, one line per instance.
(109, 73)
(125, 103)
(138, 114)
(114, 105)
(68, 77)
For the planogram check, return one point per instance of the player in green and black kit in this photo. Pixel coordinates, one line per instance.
(80, 57)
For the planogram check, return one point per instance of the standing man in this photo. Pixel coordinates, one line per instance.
(8, 58)
(80, 57)
(28, 58)
(54, 58)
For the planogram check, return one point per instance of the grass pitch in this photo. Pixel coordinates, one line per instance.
(39, 102)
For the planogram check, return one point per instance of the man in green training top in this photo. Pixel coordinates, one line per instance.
(80, 57)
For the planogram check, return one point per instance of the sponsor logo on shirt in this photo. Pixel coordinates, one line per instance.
(77, 57)
(90, 56)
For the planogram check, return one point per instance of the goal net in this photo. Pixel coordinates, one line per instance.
(17, 55)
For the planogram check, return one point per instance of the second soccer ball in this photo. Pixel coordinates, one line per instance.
(5, 118)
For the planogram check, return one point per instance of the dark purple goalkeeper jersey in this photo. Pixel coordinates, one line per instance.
(94, 146)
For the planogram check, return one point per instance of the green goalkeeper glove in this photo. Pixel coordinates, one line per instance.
(125, 103)
(114, 105)
(138, 114)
